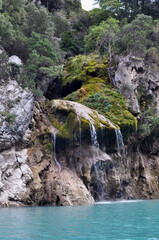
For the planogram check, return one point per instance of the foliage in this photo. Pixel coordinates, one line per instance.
(130, 8)
(42, 46)
(27, 30)
(98, 15)
(135, 36)
(81, 68)
(6, 30)
(36, 15)
(103, 36)
(37, 66)
(67, 43)
(73, 5)
(15, 11)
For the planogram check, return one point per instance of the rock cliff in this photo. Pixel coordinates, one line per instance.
(71, 151)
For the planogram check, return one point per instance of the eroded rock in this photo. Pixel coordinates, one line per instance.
(138, 82)
(16, 106)
(15, 174)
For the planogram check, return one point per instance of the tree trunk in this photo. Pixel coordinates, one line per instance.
(111, 69)
(143, 6)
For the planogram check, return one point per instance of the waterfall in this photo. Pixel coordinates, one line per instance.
(99, 181)
(94, 135)
(120, 143)
(53, 137)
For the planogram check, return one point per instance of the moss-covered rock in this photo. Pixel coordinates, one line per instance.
(83, 70)
(78, 116)
(95, 90)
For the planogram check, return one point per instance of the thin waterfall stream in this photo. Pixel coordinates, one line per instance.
(53, 137)
(94, 135)
(120, 143)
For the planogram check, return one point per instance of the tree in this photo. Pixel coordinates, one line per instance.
(136, 35)
(130, 8)
(67, 5)
(7, 33)
(0, 4)
(68, 44)
(15, 11)
(42, 46)
(103, 36)
(38, 20)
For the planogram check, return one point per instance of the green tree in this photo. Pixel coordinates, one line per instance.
(136, 35)
(15, 11)
(42, 46)
(68, 44)
(130, 8)
(67, 5)
(38, 20)
(103, 37)
(7, 33)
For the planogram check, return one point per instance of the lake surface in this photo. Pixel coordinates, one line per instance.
(105, 221)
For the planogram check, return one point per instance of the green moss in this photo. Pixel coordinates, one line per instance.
(55, 123)
(70, 129)
(111, 105)
(49, 146)
(96, 92)
(84, 124)
(81, 68)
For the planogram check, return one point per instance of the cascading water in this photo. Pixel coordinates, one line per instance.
(120, 143)
(94, 135)
(53, 137)
(100, 188)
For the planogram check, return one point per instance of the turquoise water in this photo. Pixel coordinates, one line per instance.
(119, 220)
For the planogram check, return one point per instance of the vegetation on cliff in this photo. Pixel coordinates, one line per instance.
(66, 30)
(95, 90)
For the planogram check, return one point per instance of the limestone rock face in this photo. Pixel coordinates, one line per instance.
(65, 188)
(136, 81)
(54, 181)
(125, 79)
(16, 106)
(15, 174)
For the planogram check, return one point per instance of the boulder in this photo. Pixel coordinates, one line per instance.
(15, 60)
